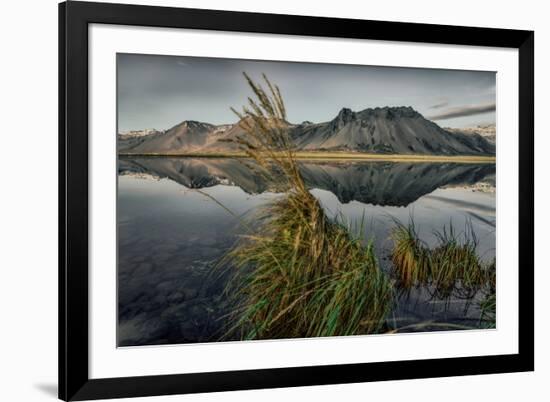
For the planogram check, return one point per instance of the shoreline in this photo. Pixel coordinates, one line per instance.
(349, 156)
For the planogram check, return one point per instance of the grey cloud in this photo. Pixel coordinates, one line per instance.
(439, 105)
(462, 111)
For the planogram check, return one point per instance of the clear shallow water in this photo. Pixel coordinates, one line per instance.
(171, 233)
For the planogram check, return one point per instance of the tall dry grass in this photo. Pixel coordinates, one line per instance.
(299, 273)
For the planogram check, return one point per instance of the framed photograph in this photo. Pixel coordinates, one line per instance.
(258, 201)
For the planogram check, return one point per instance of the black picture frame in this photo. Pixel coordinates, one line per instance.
(74, 18)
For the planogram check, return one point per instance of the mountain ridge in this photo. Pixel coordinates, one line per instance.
(380, 130)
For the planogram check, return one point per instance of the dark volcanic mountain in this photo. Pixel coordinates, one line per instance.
(389, 130)
(397, 130)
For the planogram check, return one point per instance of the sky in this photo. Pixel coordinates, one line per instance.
(161, 91)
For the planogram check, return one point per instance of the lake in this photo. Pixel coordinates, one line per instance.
(177, 217)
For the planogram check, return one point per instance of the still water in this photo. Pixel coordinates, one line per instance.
(172, 231)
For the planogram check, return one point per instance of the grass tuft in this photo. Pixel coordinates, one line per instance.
(410, 257)
(488, 305)
(452, 267)
(455, 266)
(298, 273)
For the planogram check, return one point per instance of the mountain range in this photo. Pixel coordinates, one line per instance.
(386, 130)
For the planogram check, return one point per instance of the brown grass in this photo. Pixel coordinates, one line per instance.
(298, 273)
(451, 267)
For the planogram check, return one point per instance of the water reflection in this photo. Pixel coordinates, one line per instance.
(170, 236)
(378, 183)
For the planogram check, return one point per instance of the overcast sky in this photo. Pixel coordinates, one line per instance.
(161, 91)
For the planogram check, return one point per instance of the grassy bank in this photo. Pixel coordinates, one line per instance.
(349, 156)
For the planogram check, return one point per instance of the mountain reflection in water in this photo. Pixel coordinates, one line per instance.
(170, 237)
(378, 183)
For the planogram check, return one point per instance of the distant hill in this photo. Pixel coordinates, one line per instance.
(487, 131)
(387, 130)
